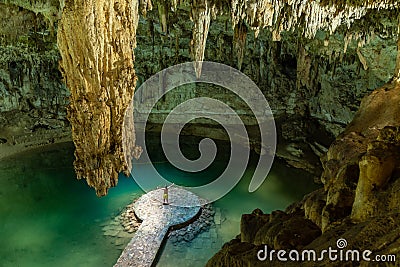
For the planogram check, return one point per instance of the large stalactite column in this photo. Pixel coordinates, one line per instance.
(201, 15)
(96, 39)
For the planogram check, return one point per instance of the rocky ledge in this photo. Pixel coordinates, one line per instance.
(358, 203)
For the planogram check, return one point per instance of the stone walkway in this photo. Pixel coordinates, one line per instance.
(197, 251)
(157, 219)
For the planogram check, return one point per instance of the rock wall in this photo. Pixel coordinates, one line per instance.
(33, 98)
(306, 81)
(359, 200)
(397, 69)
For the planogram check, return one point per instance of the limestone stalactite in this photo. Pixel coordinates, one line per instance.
(96, 39)
(309, 16)
(280, 16)
(239, 42)
(201, 15)
(163, 15)
(144, 6)
(397, 69)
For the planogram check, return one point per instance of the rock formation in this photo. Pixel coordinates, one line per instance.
(359, 201)
(201, 13)
(306, 81)
(361, 180)
(325, 58)
(361, 183)
(96, 41)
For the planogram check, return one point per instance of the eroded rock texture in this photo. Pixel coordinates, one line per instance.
(359, 200)
(33, 98)
(96, 41)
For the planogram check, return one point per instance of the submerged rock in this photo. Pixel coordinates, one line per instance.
(191, 231)
(128, 219)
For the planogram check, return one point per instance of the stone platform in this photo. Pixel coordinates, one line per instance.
(157, 219)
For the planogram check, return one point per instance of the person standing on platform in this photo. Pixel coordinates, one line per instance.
(165, 195)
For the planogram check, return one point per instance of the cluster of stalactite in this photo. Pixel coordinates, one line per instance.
(278, 15)
(50, 9)
(96, 39)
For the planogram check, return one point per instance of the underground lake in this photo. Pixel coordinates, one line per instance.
(49, 218)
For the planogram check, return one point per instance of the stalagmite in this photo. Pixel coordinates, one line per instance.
(96, 39)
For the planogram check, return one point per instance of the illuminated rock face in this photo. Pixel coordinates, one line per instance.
(96, 39)
(369, 148)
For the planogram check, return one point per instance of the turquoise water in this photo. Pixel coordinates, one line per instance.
(48, 218)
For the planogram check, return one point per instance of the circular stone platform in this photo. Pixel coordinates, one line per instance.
(183, 206)
(157, 219)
